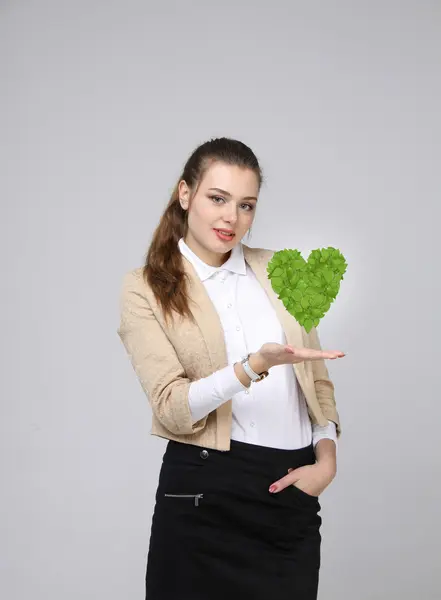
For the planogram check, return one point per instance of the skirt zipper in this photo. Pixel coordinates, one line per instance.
(195, 496)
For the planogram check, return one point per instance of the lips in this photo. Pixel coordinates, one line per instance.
(223, 230)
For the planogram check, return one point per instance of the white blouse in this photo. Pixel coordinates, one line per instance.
(271, 412)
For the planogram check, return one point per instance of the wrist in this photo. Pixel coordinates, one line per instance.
(258, 363)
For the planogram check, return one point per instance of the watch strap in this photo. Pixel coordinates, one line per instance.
(249, 371)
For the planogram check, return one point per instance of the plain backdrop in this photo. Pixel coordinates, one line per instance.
(101, 104)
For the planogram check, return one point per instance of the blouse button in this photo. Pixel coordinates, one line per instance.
(204, 454)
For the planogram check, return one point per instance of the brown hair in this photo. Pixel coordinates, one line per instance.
(163, 269)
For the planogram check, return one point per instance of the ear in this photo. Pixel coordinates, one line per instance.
(184, 194)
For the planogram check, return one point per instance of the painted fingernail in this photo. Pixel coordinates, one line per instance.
(272, 488)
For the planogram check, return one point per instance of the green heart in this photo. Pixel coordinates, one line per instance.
(307, 289)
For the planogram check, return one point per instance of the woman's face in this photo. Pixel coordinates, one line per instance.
(230, 206)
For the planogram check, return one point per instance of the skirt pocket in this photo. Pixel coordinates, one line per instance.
(181, 483)
(196, 497)
(304, 497)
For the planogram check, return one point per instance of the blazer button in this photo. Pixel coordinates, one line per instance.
(204, 454)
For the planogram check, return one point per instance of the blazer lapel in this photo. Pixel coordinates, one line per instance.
(258, 261)
(209, 322)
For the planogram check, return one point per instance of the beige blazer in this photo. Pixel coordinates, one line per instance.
(167, 359)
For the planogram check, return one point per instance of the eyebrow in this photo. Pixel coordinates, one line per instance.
(228, 194)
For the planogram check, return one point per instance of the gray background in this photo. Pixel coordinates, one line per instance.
(101, 104)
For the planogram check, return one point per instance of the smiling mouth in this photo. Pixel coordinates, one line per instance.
(222, 233)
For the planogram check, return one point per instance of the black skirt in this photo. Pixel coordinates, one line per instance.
(218, 533)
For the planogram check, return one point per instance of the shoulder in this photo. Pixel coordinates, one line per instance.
(261, 254)
(134, 281)
(135, 295)
(133, 276)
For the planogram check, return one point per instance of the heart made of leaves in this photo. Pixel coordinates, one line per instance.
(307, 288)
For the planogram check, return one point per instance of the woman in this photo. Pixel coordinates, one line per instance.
(239, 389)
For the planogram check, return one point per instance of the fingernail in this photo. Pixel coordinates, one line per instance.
(272, 488)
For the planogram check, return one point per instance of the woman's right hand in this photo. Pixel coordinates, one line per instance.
(272, 354)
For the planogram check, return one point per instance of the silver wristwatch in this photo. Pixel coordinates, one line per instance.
(249, 371)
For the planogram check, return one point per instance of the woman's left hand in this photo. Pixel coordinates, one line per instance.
(312, 479)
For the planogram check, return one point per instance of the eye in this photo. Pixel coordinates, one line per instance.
(214, 198)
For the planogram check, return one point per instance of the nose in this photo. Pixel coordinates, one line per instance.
(230, 215)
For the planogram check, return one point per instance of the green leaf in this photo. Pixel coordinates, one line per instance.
(307, 288)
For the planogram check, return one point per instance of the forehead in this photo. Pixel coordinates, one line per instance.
(236, 180)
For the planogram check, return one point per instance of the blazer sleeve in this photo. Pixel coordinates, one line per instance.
(154, 359)
(324, 387)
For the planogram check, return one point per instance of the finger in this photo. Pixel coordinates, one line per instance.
(321, 354)
(313, 354)
(281, 484)
(329, 353)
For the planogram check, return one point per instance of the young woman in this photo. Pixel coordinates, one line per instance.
(239, 389)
